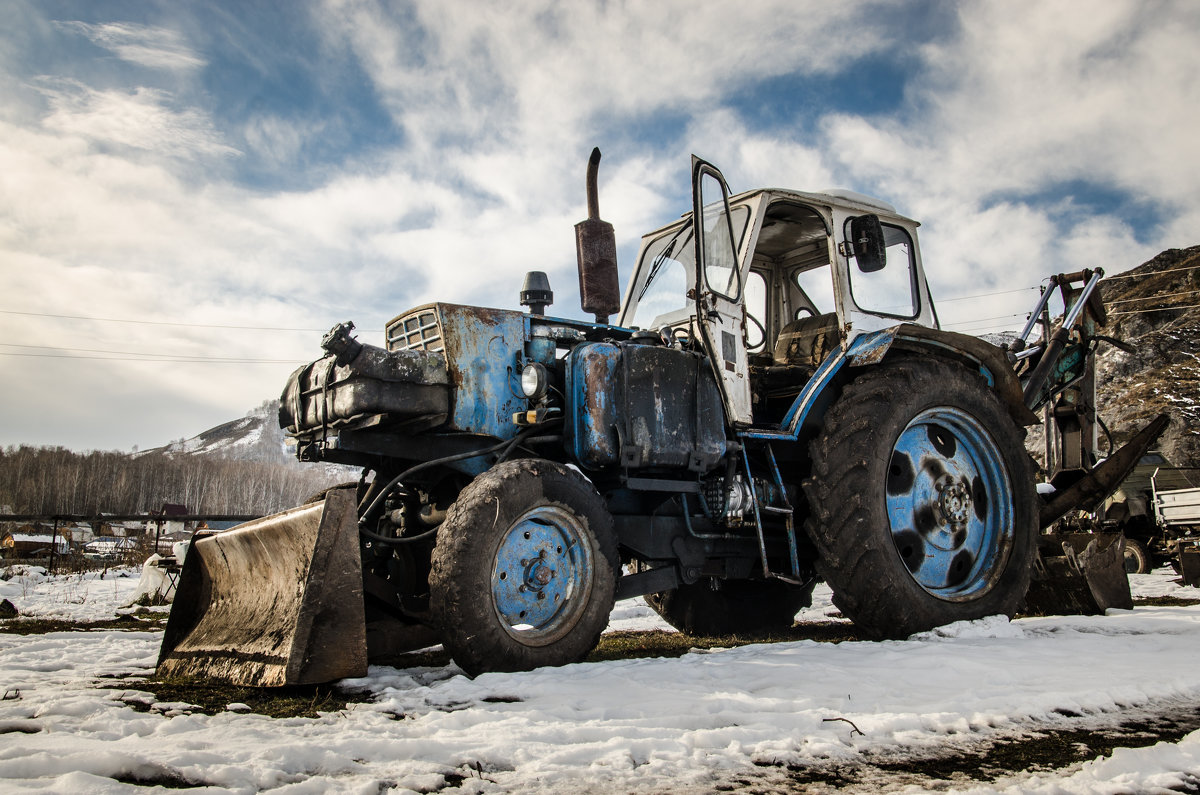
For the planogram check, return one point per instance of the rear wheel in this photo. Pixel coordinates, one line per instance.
(524, 570)
(923, 506)
(1137, 557)
(737, 607)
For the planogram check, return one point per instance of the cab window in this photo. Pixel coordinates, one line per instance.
(756, 312)
(891, 290)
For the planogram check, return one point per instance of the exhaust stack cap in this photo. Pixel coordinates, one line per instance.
(596, 247)
(536, 293)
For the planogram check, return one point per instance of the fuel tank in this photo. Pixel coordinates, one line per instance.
(641, 407)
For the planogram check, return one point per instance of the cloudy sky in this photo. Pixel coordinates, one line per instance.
(191, 192)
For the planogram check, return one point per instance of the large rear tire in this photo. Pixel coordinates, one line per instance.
(524, 570)
(737, 607)
(923, 506)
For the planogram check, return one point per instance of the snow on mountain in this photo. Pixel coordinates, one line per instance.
(254, 437)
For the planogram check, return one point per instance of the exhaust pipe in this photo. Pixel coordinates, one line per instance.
(596, 247)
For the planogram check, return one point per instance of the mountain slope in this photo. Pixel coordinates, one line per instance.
(254, 437)
(1155, 308)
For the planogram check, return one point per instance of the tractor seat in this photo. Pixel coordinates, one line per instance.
(807, 341)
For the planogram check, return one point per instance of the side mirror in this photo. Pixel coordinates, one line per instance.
(868, 246)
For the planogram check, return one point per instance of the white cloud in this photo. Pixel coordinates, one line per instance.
(1036, 92)
(140, 118)
(1030, 99)
(152, 47)
(279, 141)
(538, 81)
(121, 200)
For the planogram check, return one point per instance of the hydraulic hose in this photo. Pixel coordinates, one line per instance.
(506, 446)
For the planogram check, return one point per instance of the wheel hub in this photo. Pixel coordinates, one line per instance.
(537, 573)
(953, 505)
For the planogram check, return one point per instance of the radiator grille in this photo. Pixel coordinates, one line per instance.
(419, 331)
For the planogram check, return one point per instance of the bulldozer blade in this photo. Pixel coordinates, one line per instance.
(1078, 574)
(1104, 479)
(276, 601)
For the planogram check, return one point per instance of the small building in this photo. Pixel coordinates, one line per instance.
(166, 525)
(109, 547)
(29, 545)
(118, 529)
(77, 534)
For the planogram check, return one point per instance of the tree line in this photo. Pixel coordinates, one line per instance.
(54, 480)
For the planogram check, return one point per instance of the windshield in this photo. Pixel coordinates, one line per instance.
(662, 298)
(669, 264)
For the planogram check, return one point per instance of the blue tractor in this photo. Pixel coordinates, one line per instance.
(772, 403)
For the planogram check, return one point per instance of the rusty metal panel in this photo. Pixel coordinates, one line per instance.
(483, 355)
(674, 415)
(591, 381)
(643, 406)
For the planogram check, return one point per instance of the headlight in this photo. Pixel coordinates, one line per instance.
(534, 381)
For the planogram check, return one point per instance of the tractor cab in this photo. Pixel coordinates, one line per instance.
(770, 282)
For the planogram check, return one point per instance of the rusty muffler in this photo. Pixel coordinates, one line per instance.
(596, 248)
(277, 601)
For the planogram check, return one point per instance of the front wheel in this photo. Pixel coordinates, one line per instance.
(524, 570)
(923, 505)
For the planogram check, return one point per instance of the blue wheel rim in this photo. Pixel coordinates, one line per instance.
(541, 575)
(949, 504)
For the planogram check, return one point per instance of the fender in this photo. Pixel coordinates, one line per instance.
(873, 347)
(973, 352)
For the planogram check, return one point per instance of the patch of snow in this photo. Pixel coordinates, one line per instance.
(989, 627)
(88, 596)
(1163, 767)
(692, 724)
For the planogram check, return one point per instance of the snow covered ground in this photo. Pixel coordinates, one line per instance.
(691, 724)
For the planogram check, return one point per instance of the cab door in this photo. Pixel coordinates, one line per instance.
(718, 234)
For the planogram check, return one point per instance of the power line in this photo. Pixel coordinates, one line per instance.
(1151, 273)
(1156, 309)
(172, 323)
(983, 319)
(985, 295)
(1154, 297)
(173, 356)
(192, 360)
